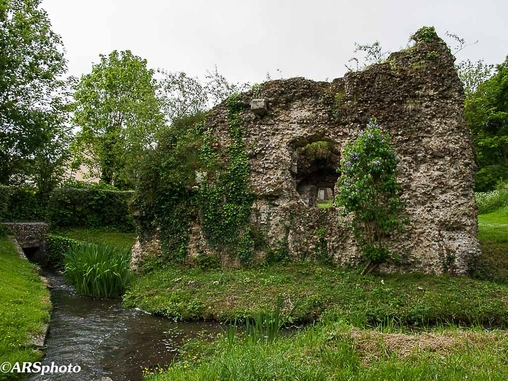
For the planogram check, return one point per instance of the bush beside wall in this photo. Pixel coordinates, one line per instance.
(92, 208)
(20, 204)
(57, 247)
(68, 207)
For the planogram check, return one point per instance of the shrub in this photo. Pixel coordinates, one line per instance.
(489, 176)
(72, 207)
(57, 247)
(368, 191)
(18, 204)
(490, 201)
(97, 270)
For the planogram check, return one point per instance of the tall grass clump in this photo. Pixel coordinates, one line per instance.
(97, 270)
(262, 328)
(490, 201)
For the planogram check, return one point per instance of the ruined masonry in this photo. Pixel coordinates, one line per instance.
(417, 97)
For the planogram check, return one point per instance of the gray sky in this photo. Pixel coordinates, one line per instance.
(247, 39)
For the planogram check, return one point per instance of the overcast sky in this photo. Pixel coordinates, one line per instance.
(247, 39)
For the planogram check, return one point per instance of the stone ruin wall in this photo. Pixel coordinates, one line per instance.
(417, 97)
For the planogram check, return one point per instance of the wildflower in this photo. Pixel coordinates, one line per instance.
(377, 163)
(370, 136)
(348, 164)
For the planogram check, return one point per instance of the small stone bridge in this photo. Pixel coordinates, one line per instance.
(31, 237)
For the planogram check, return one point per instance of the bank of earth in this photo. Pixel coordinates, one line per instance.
(24, 309)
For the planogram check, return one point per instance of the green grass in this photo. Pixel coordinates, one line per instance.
(494, 226)
(97, 270)
(24, 307)
(319, 291)
(375, 327)
(325, 204)
(336, 351)
(493, 236)
(120, 240)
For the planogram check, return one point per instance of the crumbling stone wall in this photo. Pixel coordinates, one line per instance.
(417, 97)
(296, 130)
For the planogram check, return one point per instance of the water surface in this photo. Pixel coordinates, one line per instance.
(107, 340)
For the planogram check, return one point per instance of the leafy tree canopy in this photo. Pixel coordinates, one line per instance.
(33, 133)
(486, 112)
(119, 113)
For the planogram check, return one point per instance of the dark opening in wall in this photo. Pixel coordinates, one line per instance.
(314, 169)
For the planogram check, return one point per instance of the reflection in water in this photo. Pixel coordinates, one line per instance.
(107, 340)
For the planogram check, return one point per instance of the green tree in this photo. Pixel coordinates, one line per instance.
(181, 95)
(33, 132)
(473, 74)
(369, 192)
(119, 113)
(486, 113)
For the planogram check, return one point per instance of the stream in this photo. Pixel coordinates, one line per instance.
(107, 340)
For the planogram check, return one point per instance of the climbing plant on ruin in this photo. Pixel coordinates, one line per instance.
(226, 200)
(165, 194)
(185, 178)
(370, 195)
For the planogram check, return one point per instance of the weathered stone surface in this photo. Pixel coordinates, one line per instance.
(259, 107)
(31, 237)
(28, 234)
(417, 97)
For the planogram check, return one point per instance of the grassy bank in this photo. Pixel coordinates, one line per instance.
(382, 327)
(109, 237)
(336, 351)
(95, 261)
(310, 291)
(493, 235)
(24, 307)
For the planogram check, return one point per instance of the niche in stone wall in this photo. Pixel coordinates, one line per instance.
(314, 168)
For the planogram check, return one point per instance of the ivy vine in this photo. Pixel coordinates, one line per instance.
(226, 199)
(185, 179)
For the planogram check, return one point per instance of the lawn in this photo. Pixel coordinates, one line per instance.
(24, 307)
(109, 237)
(493, 235)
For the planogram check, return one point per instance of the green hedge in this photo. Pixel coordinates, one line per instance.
(20, 204)
(68, 207)
(92, 208)
(57, 248)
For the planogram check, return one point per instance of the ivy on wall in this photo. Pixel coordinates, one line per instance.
(186, 179)
(166, 197)
(226, 200)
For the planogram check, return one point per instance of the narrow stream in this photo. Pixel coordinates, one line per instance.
(107, 340)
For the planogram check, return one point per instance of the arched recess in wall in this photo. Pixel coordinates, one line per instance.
(314, 169)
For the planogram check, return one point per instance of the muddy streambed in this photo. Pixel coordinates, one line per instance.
(107, 340)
